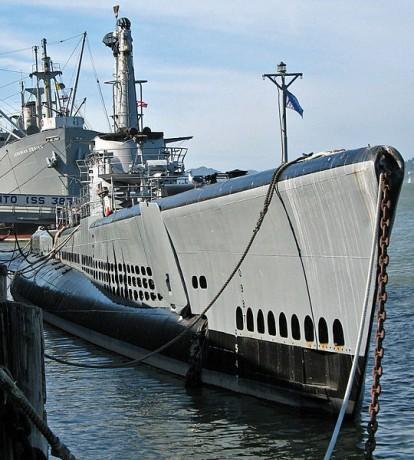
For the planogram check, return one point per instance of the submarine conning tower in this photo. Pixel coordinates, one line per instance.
(125, 98)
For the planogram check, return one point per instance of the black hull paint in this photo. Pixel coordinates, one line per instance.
(282, 373)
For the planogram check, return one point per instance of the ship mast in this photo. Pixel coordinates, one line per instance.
(283, 87)
(124, 92)
(46, 75)
(38, 94)
(77, 76)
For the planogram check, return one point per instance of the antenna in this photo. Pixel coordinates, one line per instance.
(283, 86)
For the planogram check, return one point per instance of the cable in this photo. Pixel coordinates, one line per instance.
(302, 264)
(28, 180)
(345, 401)
(99, 84)
(195, 320)
(8, 384)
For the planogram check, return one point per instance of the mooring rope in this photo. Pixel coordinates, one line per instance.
(7, 383)
(268, 199)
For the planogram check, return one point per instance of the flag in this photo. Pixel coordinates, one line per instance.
(142, 104)
(293, 103)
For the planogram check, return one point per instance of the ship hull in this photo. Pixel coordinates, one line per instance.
(24, 170)
(285, 328)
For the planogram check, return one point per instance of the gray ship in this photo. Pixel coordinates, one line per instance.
(39, 149)
(263, 284)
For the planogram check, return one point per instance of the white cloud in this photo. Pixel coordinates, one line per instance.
(357, 86)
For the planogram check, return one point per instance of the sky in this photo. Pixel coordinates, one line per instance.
(204, 63)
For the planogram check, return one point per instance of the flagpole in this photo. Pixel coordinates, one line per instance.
(284, 125)
(283, 87)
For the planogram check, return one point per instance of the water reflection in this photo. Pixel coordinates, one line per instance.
(145, 413)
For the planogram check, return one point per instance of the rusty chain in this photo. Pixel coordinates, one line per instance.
(382, 279)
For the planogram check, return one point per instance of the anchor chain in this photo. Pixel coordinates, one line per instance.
(382, 279)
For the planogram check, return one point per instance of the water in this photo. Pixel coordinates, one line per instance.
(145, 413)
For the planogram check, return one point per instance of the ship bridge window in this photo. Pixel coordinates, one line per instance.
(271, 324)
(239, 319)
(249, 320)
(338, 333)
(283, 325)
(295, 327)
(323, 331)
(309, 331)
(203, 282)
(260, 322)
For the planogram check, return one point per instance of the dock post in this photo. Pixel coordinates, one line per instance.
(21, 354)
(3, 282)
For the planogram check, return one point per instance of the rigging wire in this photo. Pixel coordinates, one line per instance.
(98, 84)
(57, 42)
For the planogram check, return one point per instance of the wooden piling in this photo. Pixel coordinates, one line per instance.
(3, 283)
(21, 352)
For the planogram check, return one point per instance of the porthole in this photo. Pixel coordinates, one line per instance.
(203, 282)
(295, 327)
(135, 295)
(136, 270)
(283, 325)
(260, 322)
(141, 295)
(309, 330)
(239, 319)
(146, 295)
(134, 281)
(249, 320)
(145, 283)
(159, 297)
(271, 324)
(149, 271)
(139, 282)
(323, 331)
(194, 281)
(151, 284)
(143, 271)
(153, 296)
(338, 334)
